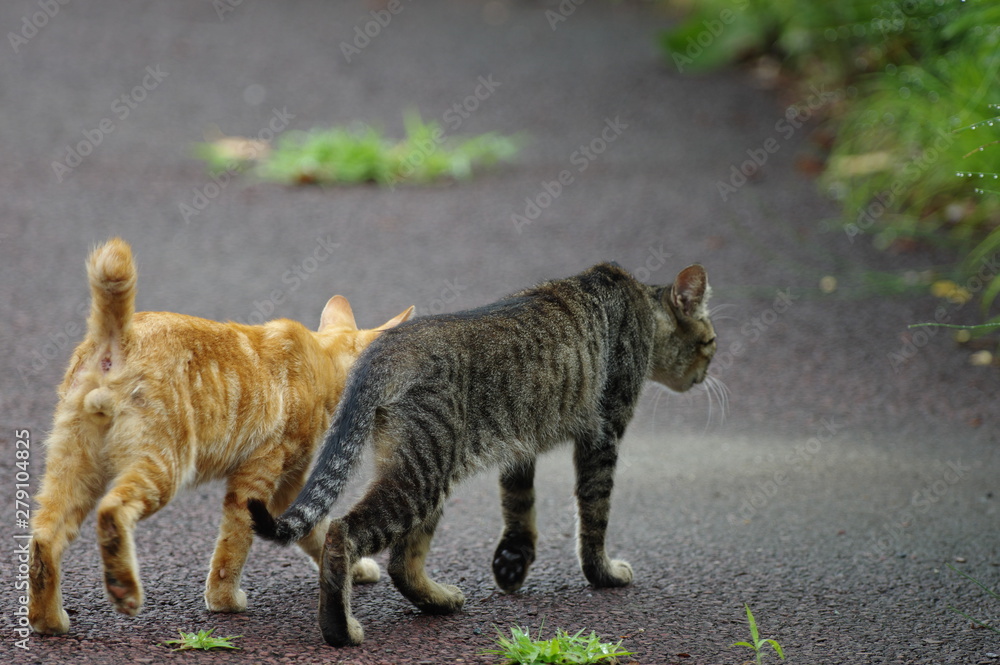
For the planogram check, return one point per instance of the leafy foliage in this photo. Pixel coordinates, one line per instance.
(913, 156)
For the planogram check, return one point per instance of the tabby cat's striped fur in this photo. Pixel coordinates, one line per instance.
(155, 401)
(444, 396)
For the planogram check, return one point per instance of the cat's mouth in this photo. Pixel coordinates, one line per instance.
(682, 384)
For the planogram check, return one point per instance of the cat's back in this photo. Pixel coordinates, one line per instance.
(528, 367)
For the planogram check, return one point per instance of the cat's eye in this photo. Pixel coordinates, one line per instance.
(708, 342)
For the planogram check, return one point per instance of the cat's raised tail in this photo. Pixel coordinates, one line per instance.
(342, 449)
(112, 275)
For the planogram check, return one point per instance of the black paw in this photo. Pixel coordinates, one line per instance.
(511, 561)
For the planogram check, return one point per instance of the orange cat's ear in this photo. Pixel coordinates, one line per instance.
(689, 291)
(337, 313)
(396, 320)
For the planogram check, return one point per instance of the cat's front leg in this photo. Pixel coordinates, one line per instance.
(222, 587)
(595, 468)
(516, 551)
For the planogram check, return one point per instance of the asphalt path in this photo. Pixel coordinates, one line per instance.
(856, 459)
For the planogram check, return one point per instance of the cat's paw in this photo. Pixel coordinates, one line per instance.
(365, 571)
(50, 623)
(511, 562)
(225, 600)
(446, 599)
(614, 573)
(337, 634)
(125, 595)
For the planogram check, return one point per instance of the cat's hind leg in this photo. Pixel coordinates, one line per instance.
(365, 571)
(406, 567)
(138, 492)
(516, 551)
(393, 513)
(595, 461)
(70, 489)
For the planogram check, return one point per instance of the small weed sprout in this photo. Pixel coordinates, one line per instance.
(202, 640)
(563, 649)
(984, 588)
(756, 644)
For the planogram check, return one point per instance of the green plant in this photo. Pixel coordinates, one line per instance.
(913, 156)
(202, 640)
(757, 644)
(360, 153)
(822, 42)
(984, 588)
(563, 649)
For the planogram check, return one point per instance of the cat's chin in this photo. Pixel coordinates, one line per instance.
(679, 384)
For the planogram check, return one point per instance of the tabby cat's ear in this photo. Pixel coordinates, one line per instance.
(337, 313)
(689, 289)
(396, 320)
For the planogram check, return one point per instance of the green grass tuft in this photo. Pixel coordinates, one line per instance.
(202, 640)
(563, 649)
(360, 154)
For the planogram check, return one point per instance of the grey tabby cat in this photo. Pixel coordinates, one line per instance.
(442, 397)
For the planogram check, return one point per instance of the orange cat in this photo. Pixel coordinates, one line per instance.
(153, 402)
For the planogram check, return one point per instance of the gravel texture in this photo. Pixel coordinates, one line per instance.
(842, 481)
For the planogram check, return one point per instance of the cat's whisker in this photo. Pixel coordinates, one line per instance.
(656, 400)
(716, 309)
(716, 391)
(722, 394)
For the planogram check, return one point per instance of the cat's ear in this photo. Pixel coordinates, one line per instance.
(337, 313)
(690, 290)
(396, 320)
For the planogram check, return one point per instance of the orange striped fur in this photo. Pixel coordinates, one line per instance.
(153, 402)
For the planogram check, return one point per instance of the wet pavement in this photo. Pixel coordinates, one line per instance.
(856, 459)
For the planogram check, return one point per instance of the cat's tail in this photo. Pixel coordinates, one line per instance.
(353, 424)
(112, 275)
